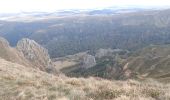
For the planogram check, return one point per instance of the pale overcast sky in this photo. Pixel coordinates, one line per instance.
(11, 6)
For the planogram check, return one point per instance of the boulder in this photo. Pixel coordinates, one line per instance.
(88, 61)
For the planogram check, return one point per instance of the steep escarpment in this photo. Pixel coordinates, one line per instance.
(27, 53)
(88, 61)
(36, 54)
(11, 54)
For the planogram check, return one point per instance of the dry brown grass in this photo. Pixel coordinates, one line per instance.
(64, 64)
(22, 83)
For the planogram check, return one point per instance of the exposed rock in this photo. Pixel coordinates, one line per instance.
(103, 52)
(36, 54)
(4, 42)
(11, 54)
(108, 52)
(27, 53)
(88, 61)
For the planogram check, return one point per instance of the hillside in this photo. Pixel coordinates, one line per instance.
(149, 62)
(108, 64)
(24, 83)
(96, 55)
(152, 61)
(73, 34)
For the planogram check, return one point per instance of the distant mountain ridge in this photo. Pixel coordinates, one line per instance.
(73, 34)
(70, 12)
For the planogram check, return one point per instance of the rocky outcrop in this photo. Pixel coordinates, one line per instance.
(11, 54)
(109, 52)
(36, 54)
(4, 42)
(103, 52)
(88, 61)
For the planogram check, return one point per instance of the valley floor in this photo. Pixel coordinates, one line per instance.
(22, 83)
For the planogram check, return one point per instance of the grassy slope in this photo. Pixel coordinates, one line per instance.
(152, 61)
(23, 83)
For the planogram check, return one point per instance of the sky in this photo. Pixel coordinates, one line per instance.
(14, 6)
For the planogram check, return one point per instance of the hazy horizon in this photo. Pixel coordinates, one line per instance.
(16, 6)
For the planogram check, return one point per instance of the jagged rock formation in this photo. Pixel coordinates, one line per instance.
(88, 61)
(27, 53)
(36, 54)
(4, 42)
(11, 54)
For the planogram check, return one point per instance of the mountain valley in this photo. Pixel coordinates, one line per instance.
(100, 54)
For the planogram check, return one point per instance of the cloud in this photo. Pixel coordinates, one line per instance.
(53, 5)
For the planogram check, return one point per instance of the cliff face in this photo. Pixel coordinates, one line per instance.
(88, 61)
(36, 54)
(11, 54)
(27, 53)
(4, 42)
